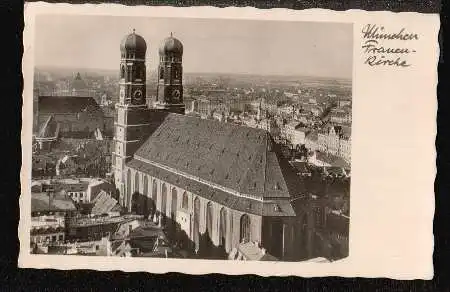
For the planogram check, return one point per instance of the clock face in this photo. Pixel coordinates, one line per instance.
(176, 95)
(138, 95)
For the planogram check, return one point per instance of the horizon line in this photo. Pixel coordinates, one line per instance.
(77, 69)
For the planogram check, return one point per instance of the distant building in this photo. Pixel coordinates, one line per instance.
(77, 116)
(336, 140)
(82, 190)
(75, 87)
(344, 102)
(296, 133)
(341, 117)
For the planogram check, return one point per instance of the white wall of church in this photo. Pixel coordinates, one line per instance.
(232, 217)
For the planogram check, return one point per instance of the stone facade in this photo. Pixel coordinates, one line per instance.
(197, 217)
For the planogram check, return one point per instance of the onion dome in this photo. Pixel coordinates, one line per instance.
(171, 46)
(134, 43)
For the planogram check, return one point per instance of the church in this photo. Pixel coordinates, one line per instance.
(204, 179)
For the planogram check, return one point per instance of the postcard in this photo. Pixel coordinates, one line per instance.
(228, 140)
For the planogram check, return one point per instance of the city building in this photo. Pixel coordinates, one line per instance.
(335, 140)
(220, 183)
(81, 190)
(341, 117)
(95, 228)
(50, 209)
(77, 116)
(75, 87)
(296, 133)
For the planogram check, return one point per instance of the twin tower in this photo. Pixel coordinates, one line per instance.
(133, 74)
(134, 119)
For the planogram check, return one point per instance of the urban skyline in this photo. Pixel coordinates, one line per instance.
(282, 45)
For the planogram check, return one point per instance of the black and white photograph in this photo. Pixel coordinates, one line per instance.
(191, 138)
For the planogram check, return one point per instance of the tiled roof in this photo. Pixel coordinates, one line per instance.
(254, 253)
(40, 203)
(242, 159)
(65, 104)
(103, 203)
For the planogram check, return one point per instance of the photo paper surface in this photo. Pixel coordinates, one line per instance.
(235, 140)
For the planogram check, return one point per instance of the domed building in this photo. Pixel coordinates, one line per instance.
(213, 185)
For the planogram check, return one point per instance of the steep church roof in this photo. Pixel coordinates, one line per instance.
(232, 158)
(65, 104)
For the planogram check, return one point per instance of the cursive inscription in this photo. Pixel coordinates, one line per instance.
(379, 52)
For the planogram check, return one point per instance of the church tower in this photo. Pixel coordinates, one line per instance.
(170, 76)
(131, 120)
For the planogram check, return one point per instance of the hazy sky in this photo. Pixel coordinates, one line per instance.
(216, 46)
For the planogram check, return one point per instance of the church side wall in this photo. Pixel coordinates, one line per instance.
(185, 216)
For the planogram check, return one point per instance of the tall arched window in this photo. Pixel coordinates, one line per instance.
(154, 190)
(174, 203)
(197, 223)
(209, 219)
(223, 227)
(145, 186)
(185, 201)
(245, 228)
(122, 71)
(136, 182)
(163, 199)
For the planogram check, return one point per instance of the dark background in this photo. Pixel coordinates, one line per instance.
(14, 279)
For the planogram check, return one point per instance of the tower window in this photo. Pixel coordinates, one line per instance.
(122, 71)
